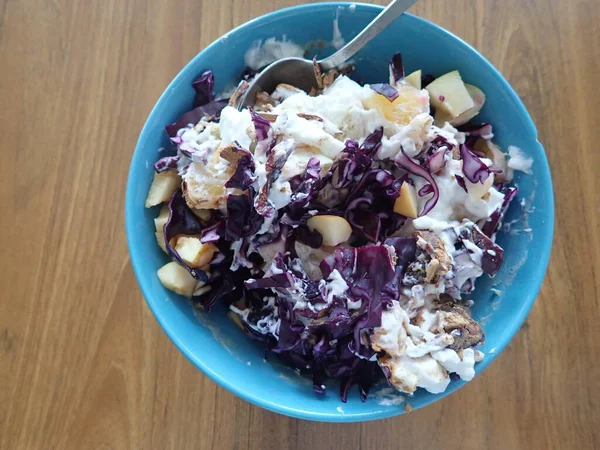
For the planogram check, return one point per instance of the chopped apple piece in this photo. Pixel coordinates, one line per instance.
(334, 229)
(478, 190)
(441, 117)
(449, 94)
(414, 79)
(193, 252)
(477, 95)
(160, 239)
(162, 188)
(177, 279)
(202, 214)
(161, 219)
(406, 203)
(410, 103)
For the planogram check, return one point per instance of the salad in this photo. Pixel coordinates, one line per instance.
(343, 228)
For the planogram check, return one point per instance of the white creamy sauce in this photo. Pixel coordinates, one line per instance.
(518, 160)
(262, 53)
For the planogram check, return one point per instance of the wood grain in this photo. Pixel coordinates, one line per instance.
(83, 364)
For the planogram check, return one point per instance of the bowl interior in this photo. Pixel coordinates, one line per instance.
(212, 342)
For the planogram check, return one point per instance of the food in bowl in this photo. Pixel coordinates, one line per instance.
(343, 228)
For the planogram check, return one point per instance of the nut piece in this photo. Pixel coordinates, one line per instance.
(456, 321)
(432, 261)
(334, 229)
(406, 203)
(234, 100)
(177, 279)
(193, 252)
(163, 187)
(264, 102)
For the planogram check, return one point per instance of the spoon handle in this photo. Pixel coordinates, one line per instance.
(385, 17)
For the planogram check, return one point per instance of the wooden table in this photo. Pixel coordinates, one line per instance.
(83, 364)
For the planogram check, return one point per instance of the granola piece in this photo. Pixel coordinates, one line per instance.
(268, 116)
(329, 77)
(456, 320)
(235, 98)
(264, 102)
(318, 74)
(432, 261)
(310, 117)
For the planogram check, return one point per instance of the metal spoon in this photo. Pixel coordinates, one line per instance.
(300, 72)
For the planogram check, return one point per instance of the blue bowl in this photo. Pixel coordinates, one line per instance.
(212, 342)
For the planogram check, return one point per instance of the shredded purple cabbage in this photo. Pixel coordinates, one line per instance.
(461, 182)
(166, 163)
(211, 110)
(389, 92)
(491, 226)
(182, 221)
(473, 168)
(244, 172)
(436, 162)
(403, 161)
(203, 86)
(396, 68)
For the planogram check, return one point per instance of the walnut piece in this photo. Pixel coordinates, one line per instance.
(456, 320)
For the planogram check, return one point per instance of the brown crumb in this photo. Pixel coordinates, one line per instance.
(264, 101)
(310, 117)
(330, 77)
(235, 98)
(318, 75)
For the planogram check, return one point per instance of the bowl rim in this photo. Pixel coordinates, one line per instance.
(147, 291)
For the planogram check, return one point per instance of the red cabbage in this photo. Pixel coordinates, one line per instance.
(436, 161)
(226, 288)
(493, 223)
(203, 86)
(242, 219)
(262, 127)
(182, 221)
(473, 168)
(243, 176)
(211, 111)
(372, 143)
(492, 253)
(396, 68)
(403, 161)
(313, 239)
(426, 80)
(389, 92)
(461, 182)
(166, 163)
(483, 131)
(276, 159)
(306, 190)
(213, 232)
